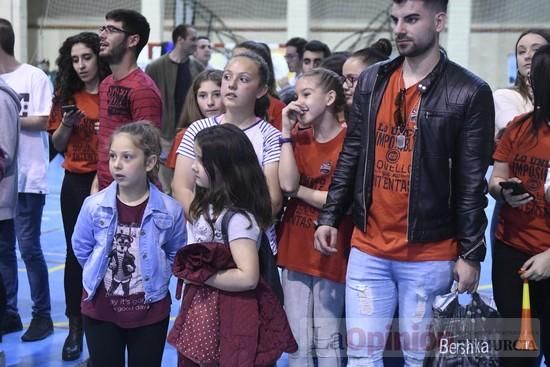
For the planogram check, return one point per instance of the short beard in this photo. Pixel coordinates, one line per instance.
(417, 50)
(115, 56)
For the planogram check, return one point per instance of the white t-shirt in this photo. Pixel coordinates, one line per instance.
(508, 104)
(35, 90)
(264, 138)
(239, 226)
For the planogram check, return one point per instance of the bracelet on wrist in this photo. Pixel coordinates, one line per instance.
(284, 140)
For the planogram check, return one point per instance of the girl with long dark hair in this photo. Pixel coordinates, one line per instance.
(229, 181)
(520, 181)
(73, 122)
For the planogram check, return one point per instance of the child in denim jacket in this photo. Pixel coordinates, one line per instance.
(125, 238)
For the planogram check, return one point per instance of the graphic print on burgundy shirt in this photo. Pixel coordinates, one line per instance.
(121, 278)
(119, 101)
(123, 282)
(120, 298)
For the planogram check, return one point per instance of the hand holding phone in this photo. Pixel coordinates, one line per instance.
(516, 187)
(68, 108)
(71, 115)
(514, 193)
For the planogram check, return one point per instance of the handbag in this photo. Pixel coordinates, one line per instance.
(268, 262)
(463, 336)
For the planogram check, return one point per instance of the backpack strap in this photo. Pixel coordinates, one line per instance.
(225, 224)
(267, 261)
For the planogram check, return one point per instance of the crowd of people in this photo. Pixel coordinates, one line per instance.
(361, 178)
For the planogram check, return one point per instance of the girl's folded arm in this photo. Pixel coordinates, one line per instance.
(247, 273)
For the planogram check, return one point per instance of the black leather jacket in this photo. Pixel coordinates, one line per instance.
(454, 143)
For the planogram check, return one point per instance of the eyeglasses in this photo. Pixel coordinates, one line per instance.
(399, 110)
(349, 79)
(112, 29)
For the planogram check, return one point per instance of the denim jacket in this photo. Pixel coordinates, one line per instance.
(162, 233)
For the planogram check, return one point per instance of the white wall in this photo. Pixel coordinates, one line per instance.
(16, 12)
(487, 52)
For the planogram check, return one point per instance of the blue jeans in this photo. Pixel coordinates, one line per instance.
(314, 307)
(27, 230)
(374, 287)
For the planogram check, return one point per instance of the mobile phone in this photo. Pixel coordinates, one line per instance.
(517, 188)
(68, 108)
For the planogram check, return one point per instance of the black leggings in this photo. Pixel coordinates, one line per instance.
(75, 188)
(508, 290)
(107, 343)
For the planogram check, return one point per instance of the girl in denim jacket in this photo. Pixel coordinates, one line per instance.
(125, 238)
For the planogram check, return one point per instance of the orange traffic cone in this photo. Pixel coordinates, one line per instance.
(526, 341)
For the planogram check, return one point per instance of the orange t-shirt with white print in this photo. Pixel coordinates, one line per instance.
(387, 217)
(316, 163)
(81, 151)
(527, 227)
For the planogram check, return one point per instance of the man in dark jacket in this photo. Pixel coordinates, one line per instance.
(173, 73)
(412, 167)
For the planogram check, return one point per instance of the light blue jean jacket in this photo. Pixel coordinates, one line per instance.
(162, 233)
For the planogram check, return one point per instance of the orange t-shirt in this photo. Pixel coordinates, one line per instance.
(316, 163)
(527, 227)
(173, 154)
(387, 217)
(81, 151)
(275, 113)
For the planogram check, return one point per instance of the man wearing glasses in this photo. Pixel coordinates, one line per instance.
(413, 166)
(294, 52)
(128, 94)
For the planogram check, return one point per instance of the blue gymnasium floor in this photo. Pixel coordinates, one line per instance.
(47, 352)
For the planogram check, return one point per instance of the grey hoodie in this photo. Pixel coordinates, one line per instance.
(9, 140)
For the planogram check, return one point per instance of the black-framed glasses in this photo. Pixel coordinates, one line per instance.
(400, 108)
(112, 29)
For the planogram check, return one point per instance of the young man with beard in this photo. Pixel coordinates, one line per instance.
(128, 94)
(418, 145)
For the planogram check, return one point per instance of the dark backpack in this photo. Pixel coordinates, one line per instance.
(268, 262)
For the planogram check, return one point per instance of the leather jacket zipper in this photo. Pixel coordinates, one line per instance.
(416, 136)
(465, 255)
(450, 182)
